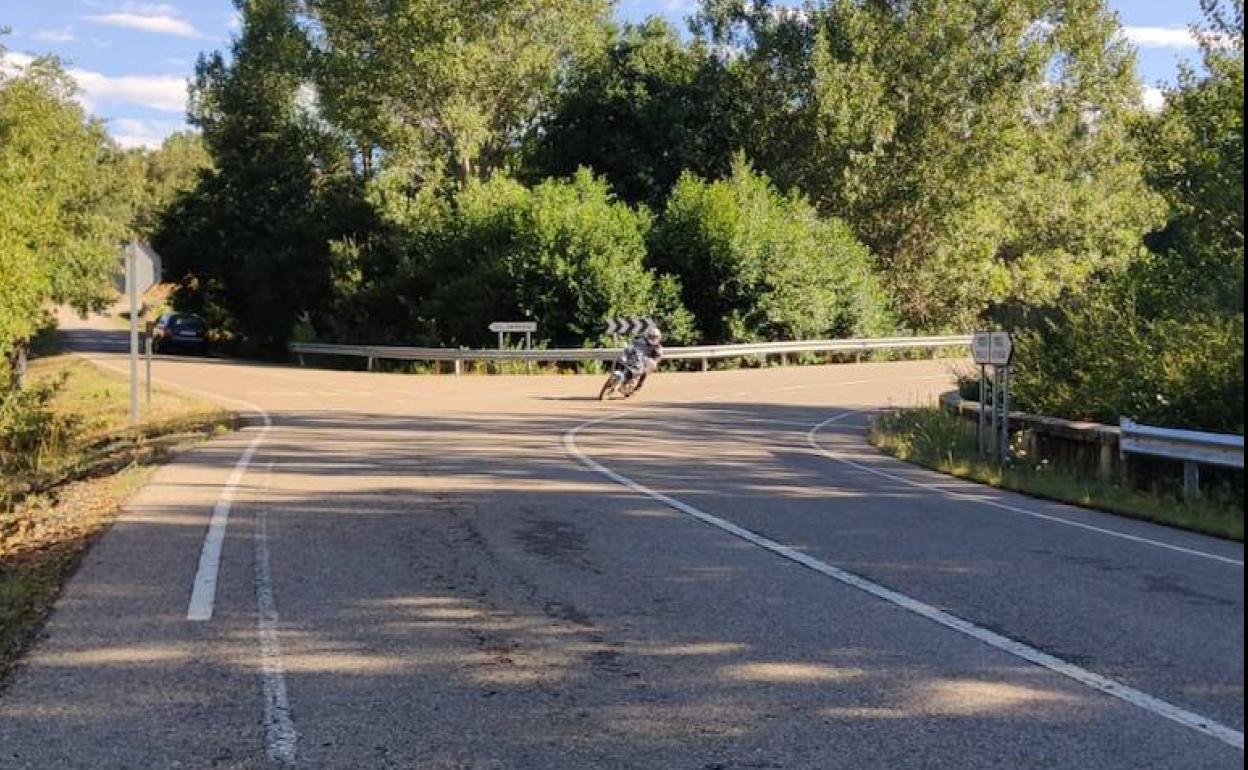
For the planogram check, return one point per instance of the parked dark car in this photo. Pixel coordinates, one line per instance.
(180, 331)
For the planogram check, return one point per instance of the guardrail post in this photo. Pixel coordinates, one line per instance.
(1105, 462)
(1191, 480)
(706, 364)
(458, 367)
(370, 363)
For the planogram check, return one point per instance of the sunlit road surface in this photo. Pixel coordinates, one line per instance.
(500, 572)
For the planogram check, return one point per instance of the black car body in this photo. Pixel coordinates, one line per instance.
(180, 331)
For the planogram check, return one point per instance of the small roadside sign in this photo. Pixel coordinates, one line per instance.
(146, 264)
(995, 348)
(1001, 348)
(501, 327)
(142, 271)
(979, 347)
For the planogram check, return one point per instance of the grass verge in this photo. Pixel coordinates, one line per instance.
(933, 438)
(57, 496)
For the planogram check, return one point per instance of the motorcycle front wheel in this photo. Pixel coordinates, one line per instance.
(607, 387)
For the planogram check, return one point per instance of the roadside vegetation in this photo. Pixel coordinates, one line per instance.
(851, 167)
(946, 442)
(856, 167)
(68, 461)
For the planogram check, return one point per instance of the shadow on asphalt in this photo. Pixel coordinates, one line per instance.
(503, 601)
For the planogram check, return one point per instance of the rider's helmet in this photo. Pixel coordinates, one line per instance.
(653, 335)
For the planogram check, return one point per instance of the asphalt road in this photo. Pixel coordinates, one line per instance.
(441, 572)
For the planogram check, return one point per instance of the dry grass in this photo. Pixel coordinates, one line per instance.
(944, 442)
(54, 505)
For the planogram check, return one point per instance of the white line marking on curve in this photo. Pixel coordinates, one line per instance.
(281, 739)
(812, 439)
(204, 586)
(1018, 649)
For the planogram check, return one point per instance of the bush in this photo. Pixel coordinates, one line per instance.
(30, 430)
(757, 265)
(564, 253)
(1102, 359)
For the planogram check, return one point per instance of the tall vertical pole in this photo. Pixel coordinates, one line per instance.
(148, 380)
(983, 410)
(1003, 441)
(994, 429)
(132, 288)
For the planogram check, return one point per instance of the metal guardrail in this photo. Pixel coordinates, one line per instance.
(1106, 447)
(703, 353)
(1193, 448)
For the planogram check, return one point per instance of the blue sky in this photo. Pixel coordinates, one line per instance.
(131, 58)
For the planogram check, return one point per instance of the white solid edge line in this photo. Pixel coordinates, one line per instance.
(1018, 649)
(811, 438)
(204, 586)
(281, 739)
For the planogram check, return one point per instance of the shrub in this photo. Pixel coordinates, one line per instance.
(1102, 359)
(565, 253)
(758, 265)
(30, 429)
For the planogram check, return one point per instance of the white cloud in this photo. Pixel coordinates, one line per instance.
(130, 132)
(1153, 98)
(149, 17)
(234, 22)
(12, 62)
(1160, 37)
(166, 93)
(62, 35)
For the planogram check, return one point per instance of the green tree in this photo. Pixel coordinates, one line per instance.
(979, 148)
(165, 173)
(64, 204)
(647, 109)
(1195, 158)
(439, 87)
(1163, 340)
(250, 243)
(757, 265)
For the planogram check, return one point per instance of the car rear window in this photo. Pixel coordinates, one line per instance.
(187, 323)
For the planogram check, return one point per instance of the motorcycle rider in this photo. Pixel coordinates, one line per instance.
(649, 346)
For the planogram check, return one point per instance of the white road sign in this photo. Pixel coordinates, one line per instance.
(513, 326)
(996, 348)
(146, 267)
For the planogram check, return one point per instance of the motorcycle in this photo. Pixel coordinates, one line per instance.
(626, 374)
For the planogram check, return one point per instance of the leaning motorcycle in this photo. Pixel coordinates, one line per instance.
(626, 374)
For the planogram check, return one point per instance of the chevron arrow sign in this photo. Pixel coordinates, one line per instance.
(629, 325)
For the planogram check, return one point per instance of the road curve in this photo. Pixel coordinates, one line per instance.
(425, 572)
